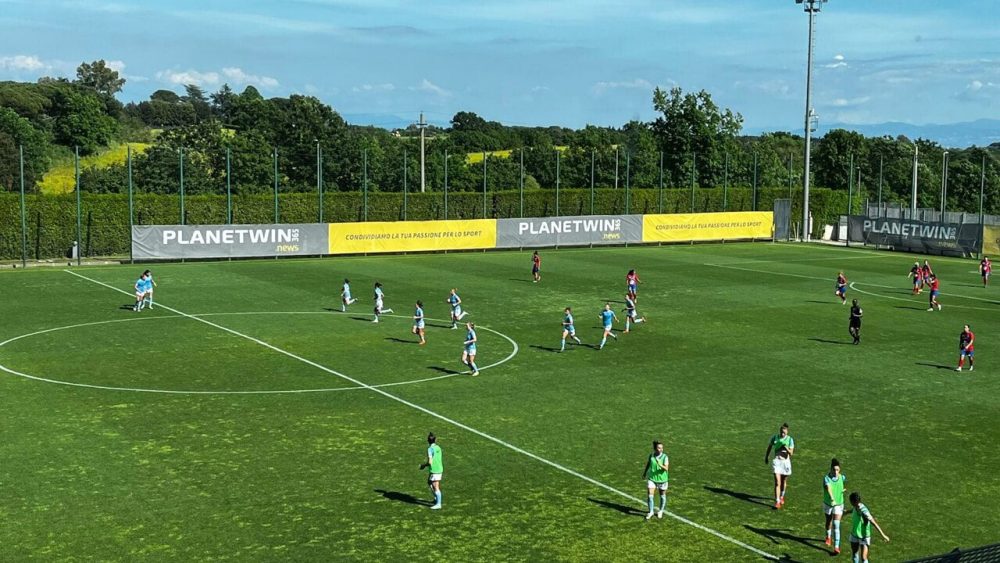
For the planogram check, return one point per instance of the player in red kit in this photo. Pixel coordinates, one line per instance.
(966, 348)
(536, 267)
(632, 282)
(985, 268)
(841, 291)
(917, 278)
(926, 273)
(935, 291)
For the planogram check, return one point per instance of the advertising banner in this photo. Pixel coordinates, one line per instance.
(411, 236)
(683, 227)
(915, 236)
(991, 240)
(569, 231)
(170, 242)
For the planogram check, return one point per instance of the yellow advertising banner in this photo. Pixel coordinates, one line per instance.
(412, 236)
(683, 227)
(991, 240)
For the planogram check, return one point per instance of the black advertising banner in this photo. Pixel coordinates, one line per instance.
(916, 236)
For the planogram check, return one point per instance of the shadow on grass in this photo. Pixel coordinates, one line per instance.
(445, 370)
(332, 310)
(521, 280)
(932, 365)
(403, 497)
(909, 307)
(818, 301)
(128, 307)
(401, 341)
(776, 535)
(626, 510)
(825, 341)
(546, 348)
(747, 497)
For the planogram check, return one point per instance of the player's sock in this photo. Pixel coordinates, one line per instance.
(836, 533)
(650, 502)
(384, 311)
(663, 502)
(628, 324)
(612, 335)
(353, 301)
(343, 308)
(961, 362)
(437, 497)
(640, 320)
(603, 340)
(562, 346)
(473, 366)
(577, 340)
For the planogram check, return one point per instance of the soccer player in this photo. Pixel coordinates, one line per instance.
(150, 284)
(783, 446)
(935, 291)
(632, 284)
(855, 327)
(536, 267)
(833, 503)
(630, 314)
(608, 317)
(140, 293)
(841, 291)
(918, 278)
(985, 269)
(456, 308)
(656, 474)
(926, 273)
(379, 303)
(568, 329)
(861, 530)
(469, 355)
(966, 348)
(345, 296)
(418, 322)
(435, 469)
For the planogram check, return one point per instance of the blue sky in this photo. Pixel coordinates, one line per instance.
(537, 62)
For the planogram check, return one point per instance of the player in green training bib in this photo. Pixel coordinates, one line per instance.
(861, 530)
(656, 474)
(435, 469)
(833, 503)
(783, 446)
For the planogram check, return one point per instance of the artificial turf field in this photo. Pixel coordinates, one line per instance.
(543, 452)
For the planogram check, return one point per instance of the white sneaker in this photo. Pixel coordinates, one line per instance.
(659, 514)
(649, 516)
(475, 373)
(374, 320)
(959, 368)
(931, 309)
(436, 507)
(971, 368)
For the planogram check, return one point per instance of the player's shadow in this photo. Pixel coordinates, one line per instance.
(776, 535)
(546, 348)
(626, 510)
(909, 307)
(364, 319)
(445, 370)
(747, 497)
(825, 341)
(818, 301)
(128, 307)
(521, 280)
(401, 341)
(403, 497)
(932, 365)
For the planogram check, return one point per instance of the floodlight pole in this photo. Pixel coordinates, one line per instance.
(423, 169)
(812, 7)
(913, 189)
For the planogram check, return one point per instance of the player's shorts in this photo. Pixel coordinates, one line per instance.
(963, 352)
(607, 328)
(632, 288)
(434, 476)
(935, 292)
(855, 323)
(837, 510)
(139, 295)
(570, 329)
(916, 281)
(470, 350)
(631, 313)
(534, 269)
(842, 289)
(782, 465)
(378, 304)
(861, 541)
(654, 485)
(987, 274)
(456, 311)
(347, 296)
(419, 324)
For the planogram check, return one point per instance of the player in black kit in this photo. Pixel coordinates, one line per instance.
(855, 328)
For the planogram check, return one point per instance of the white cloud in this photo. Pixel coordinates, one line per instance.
(234, 75)
(852, 102)
(386, 87)
(430, 87)
(117, 66)
(238, 76)
(23, 63)
(838, 62)
(838, 57)
(979, 91)
(637, 84)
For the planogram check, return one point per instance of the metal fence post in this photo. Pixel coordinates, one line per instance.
(521, 185)
(753, 196)
(484, 184)
(229, 190)
(24, 218)
(725, 183)
(131, 205)
(365, 181)
(557, 182)
(694, 161)
(446, 157)
(319, 178)
(79, 229)
(404, 184)
(593, 157)
(628, 179)
(276, 216)
(659, 206)
(181, 191)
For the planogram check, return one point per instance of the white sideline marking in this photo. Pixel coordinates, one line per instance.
(950, 305)
(768, 272)
(449, 421)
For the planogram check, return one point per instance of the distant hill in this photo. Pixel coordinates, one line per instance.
(981, 132)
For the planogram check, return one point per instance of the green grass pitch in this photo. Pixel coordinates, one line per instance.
(283, 429)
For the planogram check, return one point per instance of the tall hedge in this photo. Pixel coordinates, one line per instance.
(104, 220)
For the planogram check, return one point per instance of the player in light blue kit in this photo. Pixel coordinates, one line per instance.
(150, 284)
(608, 317)
(140, 293)
(456, 308)
(345, 296)
(568, 329)
(380, 308)
(469, 355)
(418, 322)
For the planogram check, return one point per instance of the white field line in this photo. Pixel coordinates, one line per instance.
(769, 272)
(455, 423)
(950, 305)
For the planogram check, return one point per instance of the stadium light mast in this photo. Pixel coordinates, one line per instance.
(423, 169)
(812, 7)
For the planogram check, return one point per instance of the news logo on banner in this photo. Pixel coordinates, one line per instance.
(151, 242)
(684, 227)
(569, 231)
(411, 236)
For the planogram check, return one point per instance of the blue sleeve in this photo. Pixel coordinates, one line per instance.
(791, 442)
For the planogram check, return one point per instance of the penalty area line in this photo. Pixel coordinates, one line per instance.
(450, 421)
